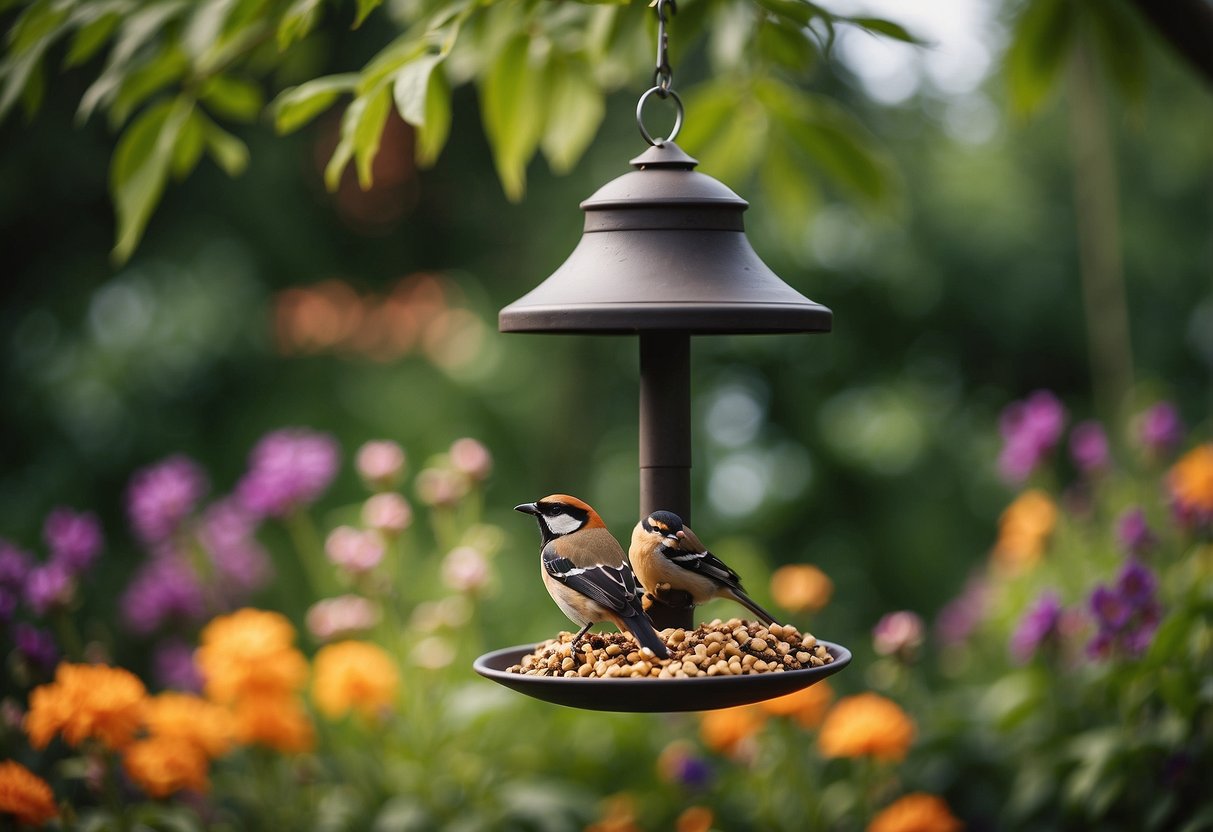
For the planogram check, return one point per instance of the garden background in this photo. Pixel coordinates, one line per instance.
(1020, 202)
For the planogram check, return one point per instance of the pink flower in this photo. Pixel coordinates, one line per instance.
(470, 457)
(898, 634)
(1089, 447)
(353, 550)
(341, 617)
(387, 512)
(380, 463)
(465, 569)
(441, 487)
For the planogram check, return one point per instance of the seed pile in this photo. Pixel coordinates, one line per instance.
(718, 648)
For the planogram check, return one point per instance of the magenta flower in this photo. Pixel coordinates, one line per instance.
(173, 666)
(164, 590)
(1040, 626)
(1089, 447)
(1030, 429)
(898, 634)
(37, 647)
(74, 538)
(49, 587)
(1133, 533)
(161, 496)
(14, 569)
(1126, 614)
(288, 468)
(1160, 429)
(227, 533)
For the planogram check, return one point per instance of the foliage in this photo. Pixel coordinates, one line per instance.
(177, 75)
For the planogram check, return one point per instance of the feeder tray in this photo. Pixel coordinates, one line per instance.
(702, 693)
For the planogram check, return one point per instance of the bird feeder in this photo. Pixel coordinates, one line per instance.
(663, 256)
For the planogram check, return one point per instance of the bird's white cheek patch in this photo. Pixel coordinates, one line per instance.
(562, 524)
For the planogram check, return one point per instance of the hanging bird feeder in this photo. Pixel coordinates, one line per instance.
(663, 255)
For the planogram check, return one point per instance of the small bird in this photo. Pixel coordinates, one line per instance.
(667, 556)
(586, 571)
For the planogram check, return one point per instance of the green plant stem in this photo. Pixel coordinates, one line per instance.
(69, 636)
(310, 551)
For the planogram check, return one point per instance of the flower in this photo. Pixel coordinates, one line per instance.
(1191, 484)
(288, 468)
(916, 812)
(1030, 430)
(1039, 626)
(36, 646)
(161, 496)
(725, 731)
(1160, 429)
(354, 550)
(162, 766)
(440, 487)
(227, 532)
(960, 616)
(1126, 614)
(898, 634)
(354, 675)
(678, 763)
(344, 615)
(380, 463)
(277, 722)
(801, 587)
(173, 666)
(86, 701)
(25, 795)
(618, 815)
(1023, 531)
(471, 458)
(74, 539)
(806, 706)
(1133, 533)
(388, 513)
(694, 819)
(465, 569)
(191, 720)
(14, 569)
(249, 653)
(49, 587)
(164, 590)
(1089, 447)
(864, 725)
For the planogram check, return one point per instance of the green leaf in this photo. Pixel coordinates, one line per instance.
(229, 152)
(38, 27)
(576, 110)
(1039, 47)
(297, 22)
(432, 135)
(35, 31)
(296, 106)
(1119, 44)
(793, 198)
(787, 45)
(189, 146)
(90, 38)
(137, 86)
(887, 28)
(140, 166)
(365, 7)
(712, 104)
(512, 109)
(232, 97)
(368, 132)
(411, 87)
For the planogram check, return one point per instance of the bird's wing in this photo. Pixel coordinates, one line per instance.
(613, 587)
(691, 554)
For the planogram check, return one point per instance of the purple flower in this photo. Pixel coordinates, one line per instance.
(288, 468)
(1133, 533)
(1089, 447)
(227, 533)
(48, 587)
(1030, 429)
(173, 666)
(37, 647)
(961, 616)
(1039, 626)
(1136, 585)
(14, 566)
(1126, 614)
(679, 763)
(74, 538)
(898, 634)
(1109, 608)
(1160, 429)
(164, 590)
(161, 496)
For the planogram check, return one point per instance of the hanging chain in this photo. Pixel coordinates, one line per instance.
(663, 77)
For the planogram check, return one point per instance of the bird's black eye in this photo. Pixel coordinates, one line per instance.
(552, 511)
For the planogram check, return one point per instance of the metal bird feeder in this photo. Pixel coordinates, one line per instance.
(663, 255)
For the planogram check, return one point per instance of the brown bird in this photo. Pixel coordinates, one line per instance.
(586, 571)
(668, 556)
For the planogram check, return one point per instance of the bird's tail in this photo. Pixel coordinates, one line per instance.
(642, 630)
(752, 605)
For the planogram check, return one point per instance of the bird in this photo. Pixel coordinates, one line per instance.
(587, 572)
(667, 556)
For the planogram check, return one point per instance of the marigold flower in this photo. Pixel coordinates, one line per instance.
(726, 729)
(806, 706)
(1191, 482)
(801, 587)
(916, 812)
(249, 653)
(277, 722)
(618, 815)
(866, 725)
(354, 675)
(695, 819)
(162, 766)
(186, 718)
(1024, 530)
(106, 703)
(25, 795)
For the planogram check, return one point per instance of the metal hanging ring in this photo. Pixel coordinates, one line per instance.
(661, 93)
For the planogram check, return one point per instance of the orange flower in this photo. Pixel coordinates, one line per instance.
(25, 795)
(250, 653)
(1191, 480)
(618, 815)
(695, 819)
(866, 725)
(276, 722)
(1023, 531)
(725, 730)
(189, 719)
(162, 766)
(801, 587)
(917, 812)
(354, 675)
(87, 700)
(807, 706)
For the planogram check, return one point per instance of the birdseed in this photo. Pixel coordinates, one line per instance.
(717, 648)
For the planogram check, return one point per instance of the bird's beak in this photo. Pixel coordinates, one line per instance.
(527, 508)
